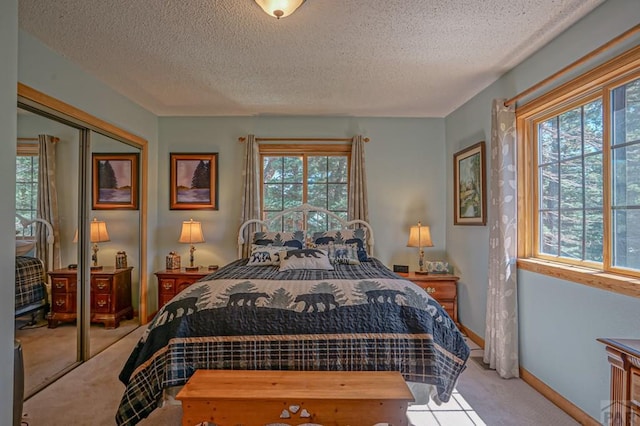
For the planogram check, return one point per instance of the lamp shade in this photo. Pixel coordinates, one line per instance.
(191, 232)
(420, 236)
(279, 8)
(99, 233)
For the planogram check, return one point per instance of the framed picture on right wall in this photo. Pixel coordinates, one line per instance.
(469, 186)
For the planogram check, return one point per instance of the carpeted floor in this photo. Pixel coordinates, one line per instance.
(48, 351)
(90, 394)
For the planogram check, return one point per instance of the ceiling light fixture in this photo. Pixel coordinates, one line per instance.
(279, 8)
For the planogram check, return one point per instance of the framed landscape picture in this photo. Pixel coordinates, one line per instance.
(194, 181)
(114, 181)
(470, 198)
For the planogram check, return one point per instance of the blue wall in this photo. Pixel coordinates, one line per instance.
(559, 320)
(405, 163)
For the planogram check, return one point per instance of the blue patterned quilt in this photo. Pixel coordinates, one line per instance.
(357, 317)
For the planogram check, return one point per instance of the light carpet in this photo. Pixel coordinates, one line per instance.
(48, 351)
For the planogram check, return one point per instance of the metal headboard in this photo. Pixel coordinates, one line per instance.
(305, 209)
(50, 238)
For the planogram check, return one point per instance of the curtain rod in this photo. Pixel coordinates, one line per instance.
(242, 139)
(55, 139)
(631, 31)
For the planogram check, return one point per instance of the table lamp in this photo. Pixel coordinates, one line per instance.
(191, 234)
(99, 234)
(420, 236)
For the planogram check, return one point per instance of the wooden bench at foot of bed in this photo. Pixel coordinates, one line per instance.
(256, 398)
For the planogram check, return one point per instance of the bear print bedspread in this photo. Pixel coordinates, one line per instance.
(357, 317)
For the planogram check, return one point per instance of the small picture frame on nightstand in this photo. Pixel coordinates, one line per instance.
(438, 267)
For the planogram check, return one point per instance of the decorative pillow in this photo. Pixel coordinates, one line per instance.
(344, 236)
(264, 255)
(293, 239)
(343, 254)
(304, 259)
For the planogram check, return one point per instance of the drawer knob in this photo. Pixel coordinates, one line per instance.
(101, 303)
(59, 302)
(59, 285)
(167, 286)
(430, 290)
(101, 286)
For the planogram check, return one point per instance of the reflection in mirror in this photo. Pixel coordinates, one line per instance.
(115, 235)
(57, 336)
(45, 316)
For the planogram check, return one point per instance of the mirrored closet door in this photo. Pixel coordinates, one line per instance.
(82, 181)
(115, 240)
(45, 148)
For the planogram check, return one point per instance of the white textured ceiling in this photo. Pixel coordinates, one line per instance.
(394, 58)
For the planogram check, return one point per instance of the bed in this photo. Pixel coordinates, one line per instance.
(30, 275)
(289, 308)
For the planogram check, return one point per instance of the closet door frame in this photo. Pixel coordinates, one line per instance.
(32, 99)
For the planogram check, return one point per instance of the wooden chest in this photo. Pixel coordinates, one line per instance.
(252, 398)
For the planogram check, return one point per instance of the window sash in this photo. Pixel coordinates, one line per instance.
(561, 156)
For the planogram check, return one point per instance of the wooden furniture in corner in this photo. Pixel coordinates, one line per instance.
(172, 282)
(624, 357)
(295, 397)
(110, 296)
(442, 287)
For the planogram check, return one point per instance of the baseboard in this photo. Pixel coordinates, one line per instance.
(553, 396)
(542, 388)
(472, 336)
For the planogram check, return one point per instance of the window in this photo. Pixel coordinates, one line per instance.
(570, 183)
(296, 174)
(26, 186)
(625, 175)
(579, 175)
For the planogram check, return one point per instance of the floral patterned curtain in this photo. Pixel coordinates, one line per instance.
(501, 332)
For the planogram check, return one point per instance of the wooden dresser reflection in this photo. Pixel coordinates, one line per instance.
(110, 296)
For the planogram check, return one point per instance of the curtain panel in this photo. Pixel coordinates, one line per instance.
(47, 202)
(501, 331)
(358, 200)
(250, 189)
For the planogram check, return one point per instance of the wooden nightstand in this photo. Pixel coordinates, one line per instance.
(110, 296)
(442, 287)
(172, 282)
